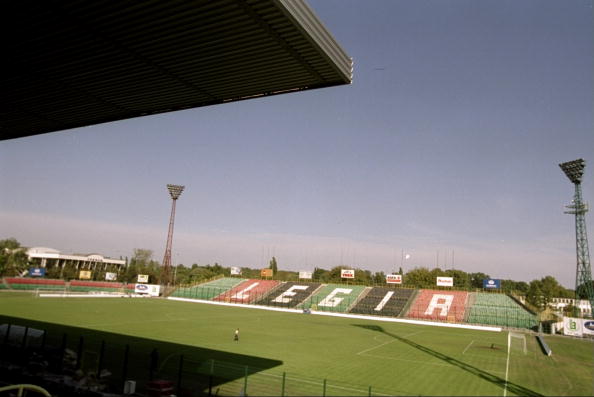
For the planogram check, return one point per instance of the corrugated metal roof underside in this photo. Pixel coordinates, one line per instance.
(76, 63)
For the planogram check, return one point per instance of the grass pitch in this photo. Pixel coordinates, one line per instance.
(352, 355)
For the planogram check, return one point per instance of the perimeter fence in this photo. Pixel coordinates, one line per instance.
(89, 363)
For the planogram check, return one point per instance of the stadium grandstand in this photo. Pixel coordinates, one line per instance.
(451, 306)
(44, 257)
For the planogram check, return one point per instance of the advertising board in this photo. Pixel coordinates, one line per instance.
(266, 273)
(143, 278)
(306, 275)
(445, 281)
(147, 289)
(37, 272)
(587, 326)
(572, 326)
(111, 276)
(235, 270)
(489, 283)
(84, 275)
(394, 278)
(347, 273)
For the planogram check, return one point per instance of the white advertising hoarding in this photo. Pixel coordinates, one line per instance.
(572, 326)
(347, 273)
(148, 289)
(235, 270)
(445, 281)
(143, 278)
(578, 326)
(394, 279)
(306, 275)
(587, 326)
(111, 276)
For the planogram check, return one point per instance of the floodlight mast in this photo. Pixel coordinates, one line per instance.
(574, 170)
(174, 191)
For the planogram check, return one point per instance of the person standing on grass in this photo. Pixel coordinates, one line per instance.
(236, 337)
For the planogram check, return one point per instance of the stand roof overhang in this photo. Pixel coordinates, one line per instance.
(76, 63)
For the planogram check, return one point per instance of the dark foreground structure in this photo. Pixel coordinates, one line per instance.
(72, 64)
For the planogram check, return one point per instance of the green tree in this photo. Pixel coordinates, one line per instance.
(582, 291)
(379, 278)
(320, 274)
(13, 257)
(461, 278)
(419, 277)
(273, 265)
(476, 279)
(550, 289)
(534, 294)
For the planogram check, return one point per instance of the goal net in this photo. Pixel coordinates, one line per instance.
(516, 341)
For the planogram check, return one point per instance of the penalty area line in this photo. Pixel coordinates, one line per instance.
(385, 343)
(464, 351)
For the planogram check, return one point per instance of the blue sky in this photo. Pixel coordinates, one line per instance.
(446, 146)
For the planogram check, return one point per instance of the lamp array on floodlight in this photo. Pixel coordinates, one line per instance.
(574, 170)
(175, 191)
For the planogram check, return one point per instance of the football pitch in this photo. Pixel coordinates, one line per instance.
(317, 355)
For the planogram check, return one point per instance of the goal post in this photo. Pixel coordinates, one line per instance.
(516, 341)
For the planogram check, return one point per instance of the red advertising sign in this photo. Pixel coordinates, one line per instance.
(394, 279)
(347, 273)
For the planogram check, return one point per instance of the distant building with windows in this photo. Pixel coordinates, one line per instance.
(48, 257)
(582, 304)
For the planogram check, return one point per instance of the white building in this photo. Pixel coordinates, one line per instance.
(583, 305)
(48, 257)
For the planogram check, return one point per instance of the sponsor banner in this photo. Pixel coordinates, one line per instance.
(445, 281)
(394, 279)
(266, 273)
(143, 278)
(572, 326)
(37, 272)
(111, 276)
(347, 273)
(588, 327)
(148, 289)
(306, 275)
(84, 275)
(489, 283)
(235, 270)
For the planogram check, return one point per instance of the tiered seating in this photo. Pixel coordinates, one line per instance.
(439, 305)
(248, 291)
(35, 283)
(208, 290)
(88, 286)
(334, 298)
(383, 301)
(130, 287)
(289, 294)
(499, 309)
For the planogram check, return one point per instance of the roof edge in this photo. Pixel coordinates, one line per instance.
(313, 28)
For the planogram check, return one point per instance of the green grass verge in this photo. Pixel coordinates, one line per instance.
(351, 354)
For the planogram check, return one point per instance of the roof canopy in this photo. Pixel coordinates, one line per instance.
(75, 63)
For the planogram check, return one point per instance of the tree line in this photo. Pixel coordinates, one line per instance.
(538, 292)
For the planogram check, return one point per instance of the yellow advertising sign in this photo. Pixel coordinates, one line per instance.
(84, 275)
(266, 273)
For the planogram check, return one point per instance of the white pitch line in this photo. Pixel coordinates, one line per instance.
(506, 367)
(385, 343)
(471, 342)
(375, 347)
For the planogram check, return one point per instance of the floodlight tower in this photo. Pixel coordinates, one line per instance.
(174, 191)
(583, 277)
